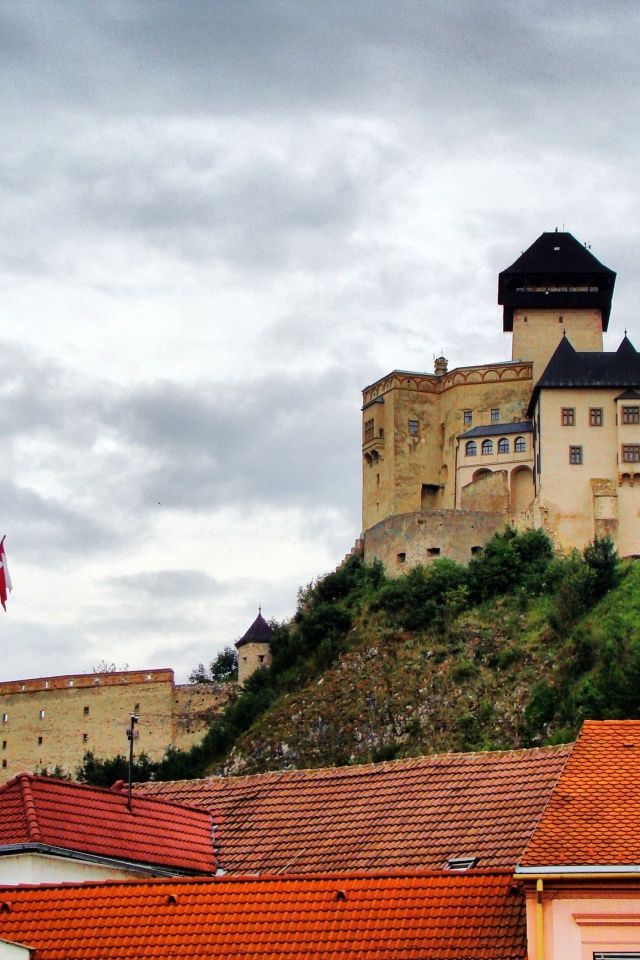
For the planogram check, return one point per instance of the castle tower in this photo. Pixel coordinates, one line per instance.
(254, 648)
(555, 287)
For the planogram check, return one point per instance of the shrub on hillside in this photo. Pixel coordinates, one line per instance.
(510, 560)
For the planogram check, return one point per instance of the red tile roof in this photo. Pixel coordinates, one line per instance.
(471, 916)
(593, 816)
(407, 814)
(41, 811)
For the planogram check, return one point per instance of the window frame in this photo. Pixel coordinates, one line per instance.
(495, 415)
(487, 448)
(414, 428)
(467, 417)
(369, 429)
(596, 416)
(630, 453)
(522, 448)
(568, 416)
(468, 452)
(630, 414)
(502, 442)
(576, 455)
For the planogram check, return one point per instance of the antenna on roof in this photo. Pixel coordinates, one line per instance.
(130, 737)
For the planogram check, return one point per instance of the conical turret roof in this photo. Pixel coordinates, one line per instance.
(258, 632)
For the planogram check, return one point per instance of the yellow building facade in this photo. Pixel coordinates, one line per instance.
(449, 458)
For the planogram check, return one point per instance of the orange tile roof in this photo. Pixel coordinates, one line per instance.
(41, 811)
(477, 915)
(593, 816)
(407, 814)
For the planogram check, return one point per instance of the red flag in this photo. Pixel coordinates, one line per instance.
(5, 579)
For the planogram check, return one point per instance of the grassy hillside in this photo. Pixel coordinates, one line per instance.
(516, 649)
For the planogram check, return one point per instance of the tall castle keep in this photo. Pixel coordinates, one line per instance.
(549, 439)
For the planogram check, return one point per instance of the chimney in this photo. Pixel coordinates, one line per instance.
(441, 366)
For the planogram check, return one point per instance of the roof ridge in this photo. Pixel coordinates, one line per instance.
(263, 877)
(355, 769)
(29, 804)
(66, 784)
(550, 796)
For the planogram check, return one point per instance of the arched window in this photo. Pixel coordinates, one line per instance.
(520, 445)
(503, 445)
(471, 449)
(487, 447)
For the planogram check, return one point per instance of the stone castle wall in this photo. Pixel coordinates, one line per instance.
(409, 539)
(53, 721)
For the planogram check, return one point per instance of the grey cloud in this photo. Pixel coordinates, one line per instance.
(169, 585)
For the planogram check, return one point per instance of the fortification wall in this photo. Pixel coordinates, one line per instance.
(195, 707)
(52, 722)
(409, 539)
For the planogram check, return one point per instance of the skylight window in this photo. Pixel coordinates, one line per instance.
(462, 863)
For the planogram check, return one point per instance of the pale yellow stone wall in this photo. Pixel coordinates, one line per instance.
(537, 333)
(195, 707)
(54, 721)
(252, 656)
(598, 495)
(405, 472)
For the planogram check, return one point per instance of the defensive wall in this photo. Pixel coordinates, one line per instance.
(409, 539)
(52, 722)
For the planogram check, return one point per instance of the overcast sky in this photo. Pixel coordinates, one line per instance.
(219, 220)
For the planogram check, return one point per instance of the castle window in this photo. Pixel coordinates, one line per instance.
(42, 714)
(595, 416)
(136, 708)
(4, 764)
(85, 711)
(631, 414)
(4, 744)
(381, 433)
(368, 430)
(413, 428)
(475, 551)
(471, 449)
(85, 737)
(575, 455)
(520, 446)
(487, 447)
(568, 416)
(503, 445)
(495, 415)
(401, 557)
(467, 417)
(5, 717)
(39, 741)
(261, 657)
(434, 551)
(631, 452)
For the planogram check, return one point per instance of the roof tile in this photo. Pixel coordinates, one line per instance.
(444, 916)
(406, 814)
(72, 816)
(593, 816)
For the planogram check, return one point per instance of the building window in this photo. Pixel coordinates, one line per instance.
(631, 452)
(631, 414)
(85, 737)
(261, 657)
(495, 415)
(595, 416)
(433, 551)
(467, 417)
(368, 430)
(39, 741)
(471, 449)
(5, 717)
(4, 744)
(568, 416)
(520, 446)
(4, 764)
(575, 454)
(487, 447)
(413, 428)
(475, 551)
(42, 714)
(503, 445)
(86, 711)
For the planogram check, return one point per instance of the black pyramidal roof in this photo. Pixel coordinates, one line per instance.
(557, 272)
(258, 632)
(568, 368)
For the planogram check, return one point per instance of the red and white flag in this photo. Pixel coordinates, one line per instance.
(5, 580)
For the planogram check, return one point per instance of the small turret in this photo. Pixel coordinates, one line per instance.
(441, 366)
(253, 648)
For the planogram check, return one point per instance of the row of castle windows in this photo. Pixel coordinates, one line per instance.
(596, 416)
(467, 416)
(42, 713)
(630, 453)
(471, 448)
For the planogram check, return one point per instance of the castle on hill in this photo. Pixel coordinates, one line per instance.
(549, 439)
